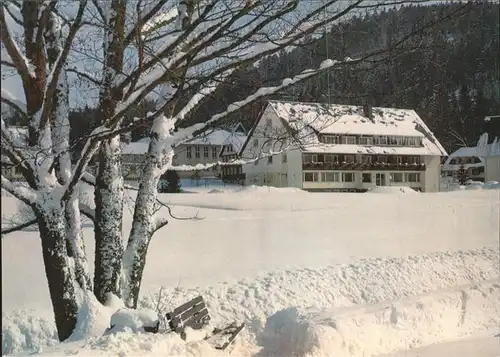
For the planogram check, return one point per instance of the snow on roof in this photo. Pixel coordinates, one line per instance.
(220, 137)
(215, 138)
(464, 152)
(492, 149)
(350, 119)
(366, 149)
(237, 140)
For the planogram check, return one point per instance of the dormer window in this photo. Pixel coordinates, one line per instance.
(349, 140)
(366, 140)
(329, 139)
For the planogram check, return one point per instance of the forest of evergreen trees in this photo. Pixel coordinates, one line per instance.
(448, 74)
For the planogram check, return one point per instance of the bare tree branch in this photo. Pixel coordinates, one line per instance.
(24, 194)
(59, 65)
(84, 75)
(18, 227)
(14, 52)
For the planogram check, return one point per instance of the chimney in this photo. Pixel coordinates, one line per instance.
(367, 109)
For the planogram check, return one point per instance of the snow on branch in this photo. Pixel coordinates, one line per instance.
(185, 134)
(24, 194)
(13, 102)
(13, 148)
(18, 227)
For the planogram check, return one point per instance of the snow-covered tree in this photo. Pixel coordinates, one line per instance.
(175, 52)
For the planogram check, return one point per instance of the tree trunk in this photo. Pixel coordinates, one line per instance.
(108, 221)
(58, 270)
(76, 245)
(143, 228)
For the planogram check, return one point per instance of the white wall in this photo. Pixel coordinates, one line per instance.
(492, 168)
(432, 175)
(182, 159)
(263, 172)
(358, 181)
(294, 173)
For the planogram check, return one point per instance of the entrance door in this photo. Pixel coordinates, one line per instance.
(380, 179)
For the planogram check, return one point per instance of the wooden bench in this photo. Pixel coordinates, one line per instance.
(194, 314)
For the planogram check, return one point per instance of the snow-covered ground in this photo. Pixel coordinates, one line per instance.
(310, 275)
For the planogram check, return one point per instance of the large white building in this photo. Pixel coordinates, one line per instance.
(341, 148)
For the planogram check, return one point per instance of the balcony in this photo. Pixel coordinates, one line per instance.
(359, 166)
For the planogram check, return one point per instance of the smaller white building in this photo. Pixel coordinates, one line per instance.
(492, 164)
(197, 152)
(133, 155)
(206, 149)
(472, 163)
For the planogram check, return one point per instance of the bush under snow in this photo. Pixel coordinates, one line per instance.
(133, 320)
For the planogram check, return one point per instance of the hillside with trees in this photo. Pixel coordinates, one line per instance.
(449, 75)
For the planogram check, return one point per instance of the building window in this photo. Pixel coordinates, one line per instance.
(284, 158)
(347, 177)
(197, 152)
(349, 158)
(414, 160)
(311, 177)
(330, 139)
(399, 141)
(366, 159)
(308, 158)
(349, 140)
(367, 178)
(214, 152)
(382, 140)
(330, 176)
(393, 141)
(399, 160)
(205, 151)
(397, 177)
(255, 143)
(413, 177)
(189, 153)
(366, 140)
(269, 160)
(382, 159)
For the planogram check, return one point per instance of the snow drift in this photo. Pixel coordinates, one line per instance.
(385, 327)
(305, 297)
(392, 190)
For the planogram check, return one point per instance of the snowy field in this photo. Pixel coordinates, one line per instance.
(378, 274)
